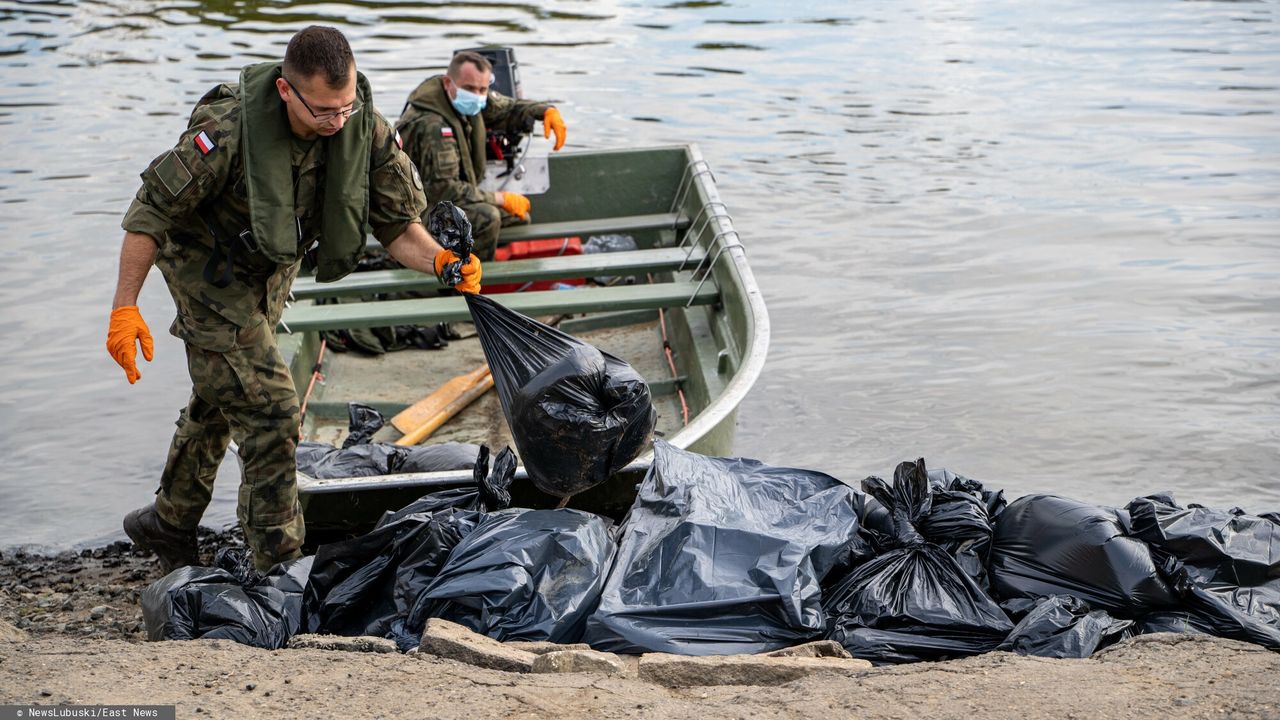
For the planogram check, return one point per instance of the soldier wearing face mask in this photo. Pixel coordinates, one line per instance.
(443, 129)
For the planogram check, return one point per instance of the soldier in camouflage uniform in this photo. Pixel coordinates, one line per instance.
(443, 126)
(291, 158)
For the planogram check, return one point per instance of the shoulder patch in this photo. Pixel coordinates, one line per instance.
(399, 141)
(173, 172)
(446, 131)
(204, 144)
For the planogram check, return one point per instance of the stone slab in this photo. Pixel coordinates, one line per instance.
(455, 642)
(685, 671)
(571, 661)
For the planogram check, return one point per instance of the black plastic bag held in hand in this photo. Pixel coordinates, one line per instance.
(577, 414)
(452, 230)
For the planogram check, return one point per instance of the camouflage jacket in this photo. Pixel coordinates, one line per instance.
(205, 172)
(449, 149)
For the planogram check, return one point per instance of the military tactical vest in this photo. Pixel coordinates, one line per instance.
(265, 142)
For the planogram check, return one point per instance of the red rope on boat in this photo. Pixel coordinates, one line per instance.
(671, 362)
(315, 375)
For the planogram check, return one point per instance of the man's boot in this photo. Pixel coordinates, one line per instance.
(174, 546)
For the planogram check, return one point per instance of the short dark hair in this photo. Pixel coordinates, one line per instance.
(319, 50)
(466, 56)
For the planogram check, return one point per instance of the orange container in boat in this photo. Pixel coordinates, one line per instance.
(527, 249)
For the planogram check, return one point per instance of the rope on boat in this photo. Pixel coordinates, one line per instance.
(315, 375)
(671, 363)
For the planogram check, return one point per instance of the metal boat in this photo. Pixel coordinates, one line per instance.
(683, 309)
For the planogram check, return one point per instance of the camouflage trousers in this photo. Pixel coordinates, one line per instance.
(241, 390)
(487, 222)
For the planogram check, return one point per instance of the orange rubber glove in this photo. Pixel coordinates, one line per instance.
(444, 257)
(470, 272)
(470, 277)
(553, 123)
(126, 332)
(516, 204)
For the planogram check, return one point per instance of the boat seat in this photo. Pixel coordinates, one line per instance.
(595, 226)
(633, 262)
(428, 311)
(584, 228)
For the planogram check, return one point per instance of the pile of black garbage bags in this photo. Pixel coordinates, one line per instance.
(729, 555)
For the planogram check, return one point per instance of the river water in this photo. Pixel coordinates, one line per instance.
(1036, 243)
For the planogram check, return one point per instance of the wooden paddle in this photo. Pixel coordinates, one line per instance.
(412, 417)
(454, 406)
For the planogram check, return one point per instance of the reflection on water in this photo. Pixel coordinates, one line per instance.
(1036, 245)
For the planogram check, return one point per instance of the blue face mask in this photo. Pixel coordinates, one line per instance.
(468, 103)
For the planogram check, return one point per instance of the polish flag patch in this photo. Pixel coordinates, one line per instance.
(399, 142)
(446, 132)
(204, 144)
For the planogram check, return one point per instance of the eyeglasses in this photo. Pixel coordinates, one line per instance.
(325, 117)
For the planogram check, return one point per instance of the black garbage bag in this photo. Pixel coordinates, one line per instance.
(1225, 565)
(915, 601)
(609, 244)
(437, 457)
(1251, 614)
(1050, 545)
(1063, 626)
(359, 456)
(1226, 547)
(522, 575)
(491, 489)
(358, 587)
(228, 602)
(577, 414)
(363, 421)
(1221, 612)
(322, 460)
(1217, 611)
(1171, 621)
(1260, 601)
(723, 556)
(959, 520)
(363, 586)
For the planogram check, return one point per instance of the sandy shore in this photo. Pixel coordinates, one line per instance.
(79, 639)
